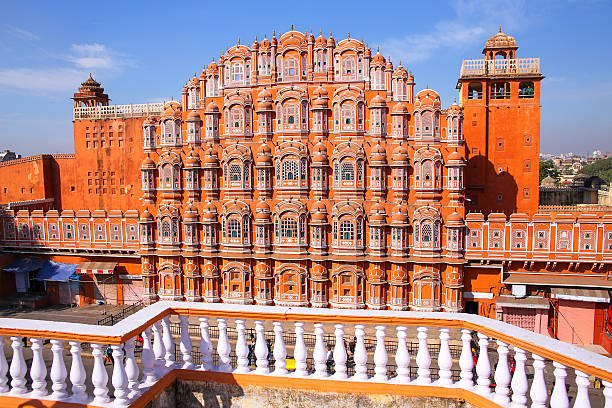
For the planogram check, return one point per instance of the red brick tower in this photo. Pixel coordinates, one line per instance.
(500, 95)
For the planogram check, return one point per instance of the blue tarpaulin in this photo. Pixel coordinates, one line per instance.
(56, 271)
(23, 265)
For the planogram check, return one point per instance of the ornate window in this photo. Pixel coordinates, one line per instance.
(427, 229)
(348, 167)
(349, 71)
(426, 292)
(428, 169)
(290, 224)
(291, 69)
(237, 74)
(348, 287)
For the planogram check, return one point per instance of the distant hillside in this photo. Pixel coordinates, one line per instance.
(601, 168)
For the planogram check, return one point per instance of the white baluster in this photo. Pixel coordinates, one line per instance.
(299, 352)
(402, 357)
(242, 349)
(223, 347)
(185, 344)
(147, 356)
(18, 367)
(519, 383)
(206, 360)
(320, 352)
(261, 348)
(466, 360)
(582, 395)
(423, 359)
(159, 350)
(483, 366)
(99, 378)
(559, 398)
(169, 345)
(502, 375)
(280, 351)
(445, 360)
(38, 369)
(607, 392)
(3, 368)
(339, 353)
(380, 355)
(58, 370)
(538, 392)
(360, 357)
(131, 368)
(119, 378)
(78, 375)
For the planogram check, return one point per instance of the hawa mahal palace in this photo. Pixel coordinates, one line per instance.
(306, 171)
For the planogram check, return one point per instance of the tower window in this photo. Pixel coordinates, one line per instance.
(526, 90)
(475, 90)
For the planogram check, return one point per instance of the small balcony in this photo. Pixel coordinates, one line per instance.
(336, 353)
(518, 66)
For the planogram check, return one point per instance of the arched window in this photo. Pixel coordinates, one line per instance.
(291, 67)
(427, 234)
(348, 171)
(289, 228)
(347, 230)
(233, 228)
(348, 68)
(166, 231)
(235, 172)
(290, 170)
(237, 73)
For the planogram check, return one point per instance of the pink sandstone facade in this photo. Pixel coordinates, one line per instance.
(302, 171)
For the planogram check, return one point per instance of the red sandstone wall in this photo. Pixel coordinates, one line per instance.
(26, 179)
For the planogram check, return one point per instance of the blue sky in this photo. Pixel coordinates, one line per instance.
(144, 52)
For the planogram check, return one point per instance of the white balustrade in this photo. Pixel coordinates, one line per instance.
(340, 356)
(607, 394)
(131, 368)
(559, 398)
(280, 351)
(18, 367)
(466, 360)
(538, 391)
(582, 395)
(445, 360)
(159, 350)
(156, 361)
(423, 359)
(319, 353)
(148, 359)
(3, 368)
(99, 377)
(360, 356)
(242, 349)
(77, 375)
(185, 344)
(402, 357)
(380, 355)
(38, 369)
(223, 347)
(168, 341)
(299, 352)
(206, 347)
(58, 370)
(119, 378)
(502, 375)
(483, 367)
(519, 383)
(261, 348)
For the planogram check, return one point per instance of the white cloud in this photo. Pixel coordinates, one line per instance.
(92, 56)
(23, 34)
(473, 20)
(82, 59)
(42, 80)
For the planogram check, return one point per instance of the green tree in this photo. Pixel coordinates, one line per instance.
(601, 168)
(548, 168)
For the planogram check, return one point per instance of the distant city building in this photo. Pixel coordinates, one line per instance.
(7, 155)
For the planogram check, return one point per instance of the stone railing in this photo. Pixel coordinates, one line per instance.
(500, 66)
(517, 361)
(118, 111)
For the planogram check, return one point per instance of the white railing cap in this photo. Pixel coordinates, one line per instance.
(153, 312)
